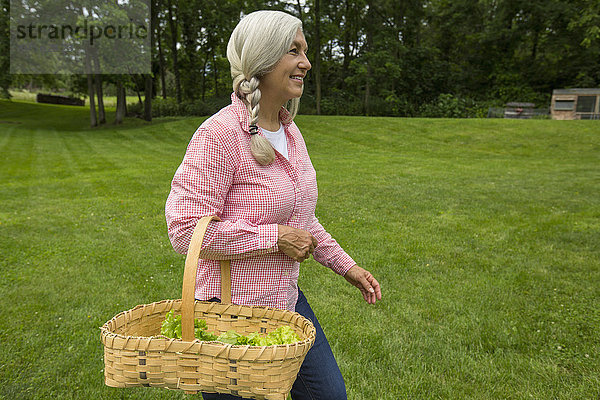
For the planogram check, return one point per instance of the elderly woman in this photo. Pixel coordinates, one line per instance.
(248, 164)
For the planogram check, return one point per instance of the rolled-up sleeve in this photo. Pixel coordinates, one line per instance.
(328, 251)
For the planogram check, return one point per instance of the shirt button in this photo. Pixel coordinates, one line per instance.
(269, 244)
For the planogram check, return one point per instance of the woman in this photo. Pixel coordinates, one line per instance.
(248, 164)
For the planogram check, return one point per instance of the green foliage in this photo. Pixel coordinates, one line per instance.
(201, 333)
(588, 22)
(171, 327)
(449, 106)
(283, 335)
(169, 107)
(230, 337)
(509, 87)
(446, 106)
(399, 106)
(381, 58)
(340, 103)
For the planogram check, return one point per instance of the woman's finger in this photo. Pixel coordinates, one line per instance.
(373, 288)
(365, 283)
(365, 295)
(376, 286)
(369, 298)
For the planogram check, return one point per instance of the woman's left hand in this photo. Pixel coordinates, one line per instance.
(365, 282)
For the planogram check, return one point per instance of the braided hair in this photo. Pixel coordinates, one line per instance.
(256, 45)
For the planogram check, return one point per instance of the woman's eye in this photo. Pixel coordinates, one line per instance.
(293, 51)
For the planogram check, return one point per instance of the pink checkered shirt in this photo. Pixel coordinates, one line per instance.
(219, 176)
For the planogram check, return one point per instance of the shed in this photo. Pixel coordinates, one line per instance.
(575, 104)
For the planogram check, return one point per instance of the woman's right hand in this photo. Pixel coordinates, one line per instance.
(296, 243)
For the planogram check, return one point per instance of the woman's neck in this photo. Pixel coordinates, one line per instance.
(268, 115)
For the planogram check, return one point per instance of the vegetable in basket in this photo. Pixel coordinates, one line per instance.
(171, 327)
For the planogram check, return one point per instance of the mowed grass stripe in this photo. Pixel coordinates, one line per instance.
(65, 281)
(482, 232)
(517, 202)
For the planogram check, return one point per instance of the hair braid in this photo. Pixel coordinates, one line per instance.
(256, 45)
(260, 147)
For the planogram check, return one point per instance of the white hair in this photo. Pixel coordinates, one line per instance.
(256, 45)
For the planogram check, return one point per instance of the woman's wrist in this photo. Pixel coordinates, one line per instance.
(296, 243)
(269, 235)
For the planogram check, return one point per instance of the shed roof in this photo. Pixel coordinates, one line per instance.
(592, 91)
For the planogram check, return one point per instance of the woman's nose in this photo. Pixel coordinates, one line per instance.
(304, 63)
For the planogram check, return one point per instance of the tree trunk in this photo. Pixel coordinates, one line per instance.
(368, 91)
(173, 28)
(148, 98)
(136, 82)
(317, 70)
(216, 74)
(93, 119)
(91, 94)
(148, 78)
(161, 61)
(204, 76)
(100, 94)
(535, 46)
(155, 65)
(370, 24)
(398, 31)
(299, 7)
(346, 44)
(98, 86)
(121, 99)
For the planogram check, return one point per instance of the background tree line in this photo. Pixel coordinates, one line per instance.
(370, 57)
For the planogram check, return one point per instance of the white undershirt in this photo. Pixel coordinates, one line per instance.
(278, 140)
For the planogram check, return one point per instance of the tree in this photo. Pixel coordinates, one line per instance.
(91, 89)
(589, 21)
(121, 110)
(98, 85)
(148, 78)
(317, 58)
(174, 33)
(5, 77)
(375, 57)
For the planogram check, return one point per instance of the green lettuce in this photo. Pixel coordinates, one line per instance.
(171, 327)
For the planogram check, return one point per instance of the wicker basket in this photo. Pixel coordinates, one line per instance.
(135, 354)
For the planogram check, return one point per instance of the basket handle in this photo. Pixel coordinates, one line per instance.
(189, 279)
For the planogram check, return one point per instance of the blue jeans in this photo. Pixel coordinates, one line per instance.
(319, 377)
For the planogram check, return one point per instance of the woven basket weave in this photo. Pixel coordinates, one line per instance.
(135, 354)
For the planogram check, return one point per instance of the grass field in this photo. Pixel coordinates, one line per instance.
(484, 234)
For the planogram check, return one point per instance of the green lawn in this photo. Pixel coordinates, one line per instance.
(485, 236)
